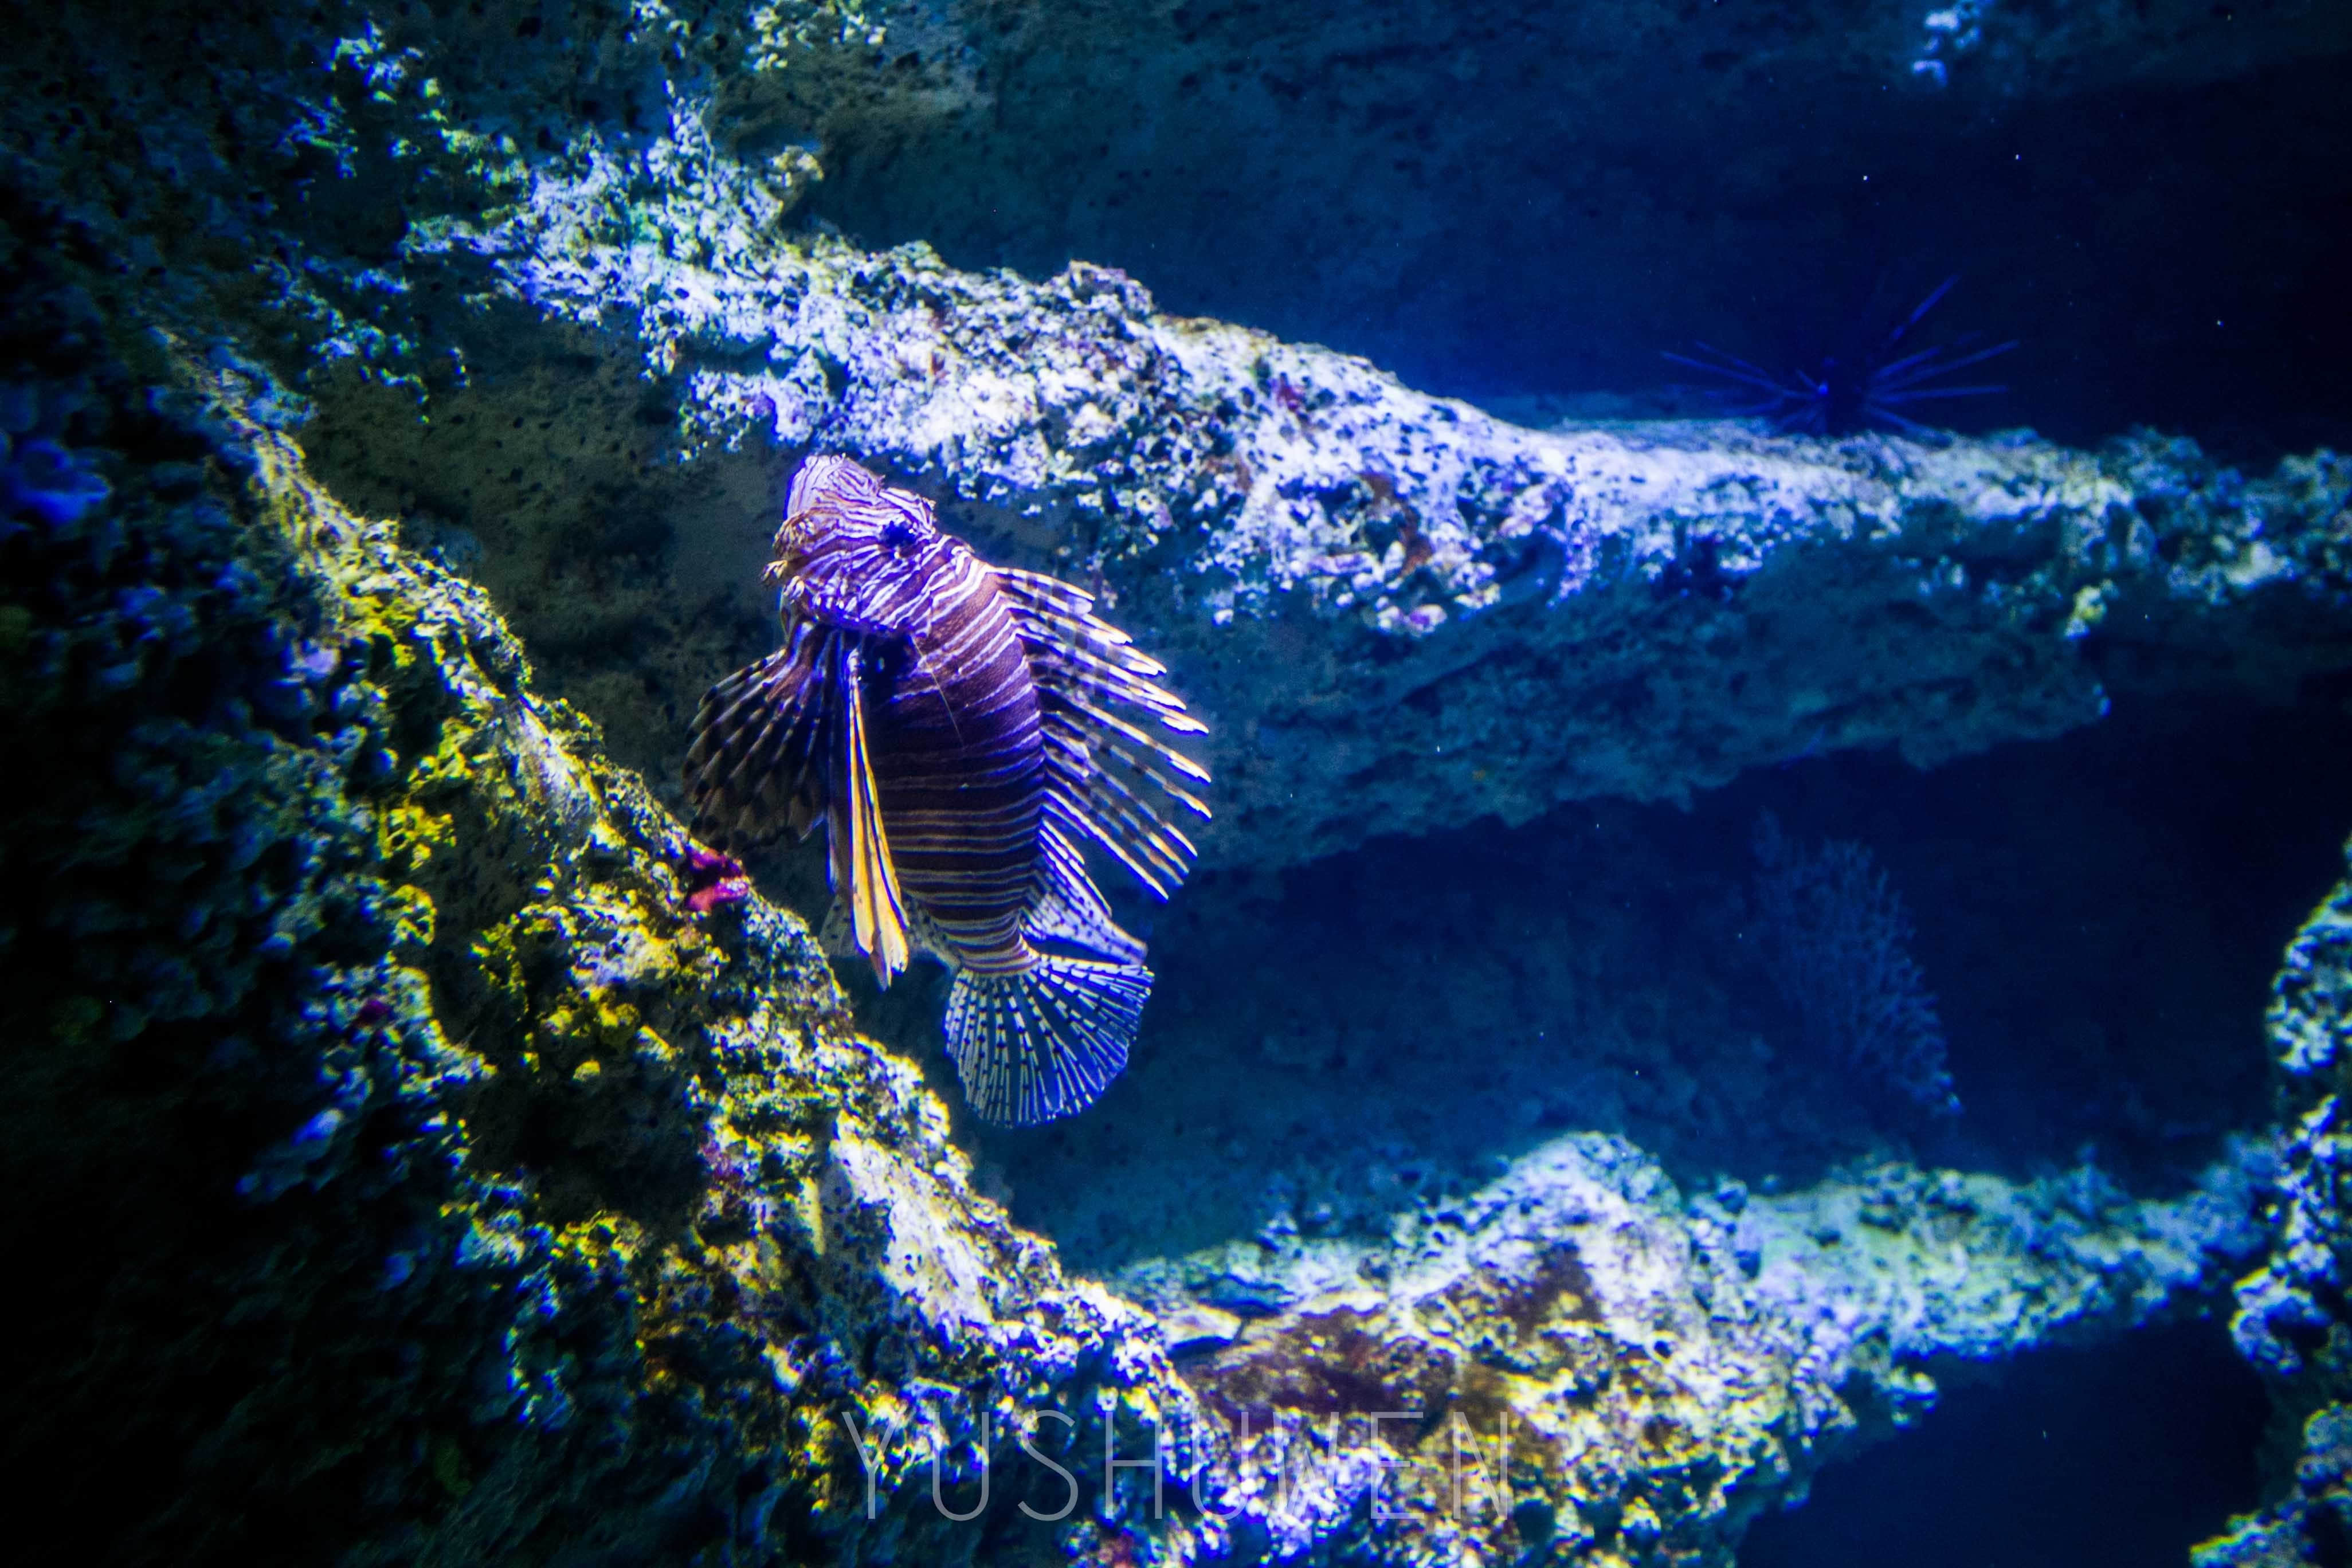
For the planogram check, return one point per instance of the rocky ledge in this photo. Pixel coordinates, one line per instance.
(491, 1173)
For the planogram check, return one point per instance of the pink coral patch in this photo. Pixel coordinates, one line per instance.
(713, 879)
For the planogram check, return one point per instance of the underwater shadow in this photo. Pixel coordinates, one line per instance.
(2097, 917)
(2124, 1455)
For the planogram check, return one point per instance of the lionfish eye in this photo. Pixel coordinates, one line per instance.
(898, 536)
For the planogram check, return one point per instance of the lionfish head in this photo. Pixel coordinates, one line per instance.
(853, 552)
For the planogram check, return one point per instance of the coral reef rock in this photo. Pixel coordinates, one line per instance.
(469, 1193)
(1394, 609)
(1575, 1358)
(2291, 1321)
(413, 1159)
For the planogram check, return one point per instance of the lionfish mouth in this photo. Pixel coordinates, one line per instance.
(795, 537)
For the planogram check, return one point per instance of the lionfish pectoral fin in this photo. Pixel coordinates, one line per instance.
(876, 910)
(756, 764)
(837, 936)
(1046, 1042)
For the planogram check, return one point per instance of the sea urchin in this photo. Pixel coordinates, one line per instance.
(1857, 389)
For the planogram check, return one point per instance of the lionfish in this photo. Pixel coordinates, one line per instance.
(962, 731)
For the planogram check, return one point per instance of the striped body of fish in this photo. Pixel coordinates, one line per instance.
(963, 731)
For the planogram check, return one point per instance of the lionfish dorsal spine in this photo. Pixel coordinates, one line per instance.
(1108, 775)
(1070, 909)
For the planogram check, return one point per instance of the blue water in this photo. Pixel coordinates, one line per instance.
(2123, 1455)
(2099, 918)
(2172, 255)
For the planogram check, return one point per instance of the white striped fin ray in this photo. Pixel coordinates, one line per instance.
(1111, 780)
(1086, 655)
(1071, 911)
(1047, 1041)
(1094, 801)
(761, 761)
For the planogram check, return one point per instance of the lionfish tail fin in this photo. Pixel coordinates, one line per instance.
(1045, 1042)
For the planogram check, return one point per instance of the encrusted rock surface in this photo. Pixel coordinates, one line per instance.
(2292, 1321)
(462, 1189)
(1397, 612)
(476, 1189)
(1574, 1358)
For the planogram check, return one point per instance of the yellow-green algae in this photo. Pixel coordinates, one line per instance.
(673, 1210)
(677, 1082)
(482, 1200)
(2291, 1321)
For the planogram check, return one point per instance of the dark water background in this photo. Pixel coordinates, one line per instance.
(2170, 254)
(2124, 1455)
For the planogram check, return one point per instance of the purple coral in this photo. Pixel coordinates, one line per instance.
(712, 879)
(1838, 942)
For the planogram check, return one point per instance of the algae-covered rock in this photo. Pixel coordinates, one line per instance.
(1397, 612)
(420, 1156)
(424, 1170)
(2291, 1321)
